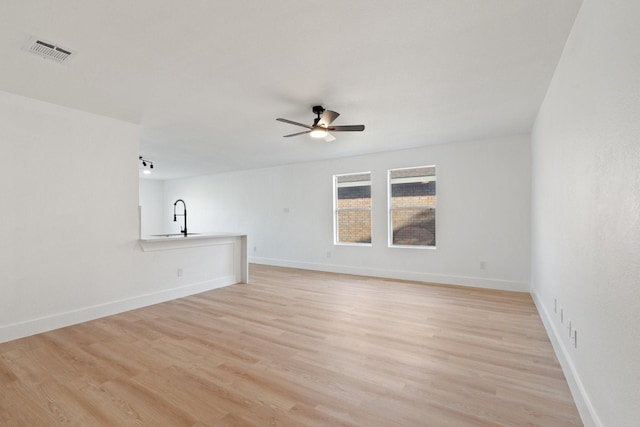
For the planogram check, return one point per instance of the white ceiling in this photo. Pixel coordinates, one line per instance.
(206, 79)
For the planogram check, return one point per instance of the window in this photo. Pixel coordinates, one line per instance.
(412, 207)
(352, 208)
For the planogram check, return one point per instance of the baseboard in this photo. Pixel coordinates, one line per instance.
(85, 314)
(477, 282)
(580, 396)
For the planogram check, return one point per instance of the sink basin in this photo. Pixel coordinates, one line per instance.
(175, 235)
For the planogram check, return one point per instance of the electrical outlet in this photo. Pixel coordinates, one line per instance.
(483, 265)
(179, 272)
(286, 210)
(328, 254)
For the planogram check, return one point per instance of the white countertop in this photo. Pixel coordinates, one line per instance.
(190, 236)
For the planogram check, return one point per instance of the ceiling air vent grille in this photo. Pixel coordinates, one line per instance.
(48, 50)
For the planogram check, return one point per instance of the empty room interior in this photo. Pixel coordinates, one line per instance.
(294, 213)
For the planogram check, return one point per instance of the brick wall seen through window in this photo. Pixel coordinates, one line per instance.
(352, 208)
(412, 206)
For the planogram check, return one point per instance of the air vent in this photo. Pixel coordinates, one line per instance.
(48, 50)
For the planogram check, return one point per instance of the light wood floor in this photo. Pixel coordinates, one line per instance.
(296, 348)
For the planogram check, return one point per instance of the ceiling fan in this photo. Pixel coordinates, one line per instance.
(322, 125)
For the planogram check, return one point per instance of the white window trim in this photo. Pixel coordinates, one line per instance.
(390, 209)
(336, 210)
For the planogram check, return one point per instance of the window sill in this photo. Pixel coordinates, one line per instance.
(411, 247)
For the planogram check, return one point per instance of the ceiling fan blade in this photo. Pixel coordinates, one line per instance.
(294, 123)
(327, 117)
(299, 133)
(348, 128)
(329, 138)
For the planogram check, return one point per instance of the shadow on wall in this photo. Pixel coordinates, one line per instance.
(418, 229)
(415, 230)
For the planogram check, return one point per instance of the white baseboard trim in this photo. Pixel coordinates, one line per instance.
(477, 282)
(580, 396)
(85, 314)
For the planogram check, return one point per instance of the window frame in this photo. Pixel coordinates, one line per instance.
(390, 208)
(336, 210)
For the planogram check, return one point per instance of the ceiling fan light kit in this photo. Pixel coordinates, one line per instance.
(319, 133)
(322, 125)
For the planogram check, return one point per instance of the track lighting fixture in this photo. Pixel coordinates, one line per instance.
(146, 163)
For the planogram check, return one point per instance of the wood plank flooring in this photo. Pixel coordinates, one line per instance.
(296, 348)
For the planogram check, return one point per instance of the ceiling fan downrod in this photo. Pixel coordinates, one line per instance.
(319, 111)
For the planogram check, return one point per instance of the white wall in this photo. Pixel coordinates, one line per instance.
(586, 210)
(69, 250)
(483, 214)
(152, 207)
